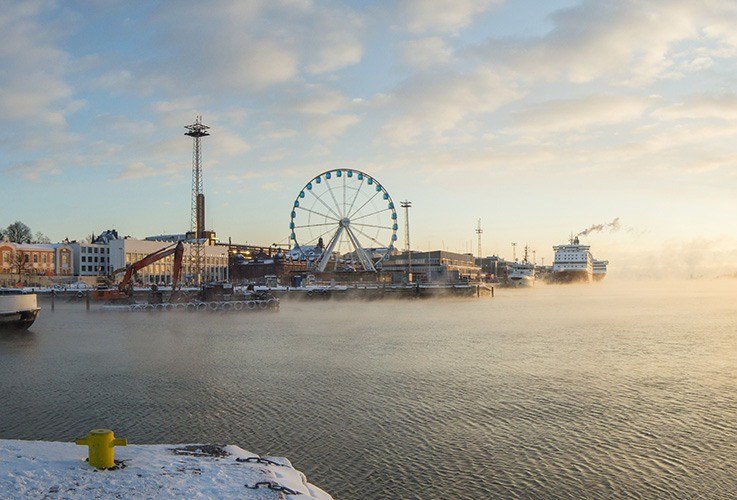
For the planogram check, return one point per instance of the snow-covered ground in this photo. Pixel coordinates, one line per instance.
(39, 469)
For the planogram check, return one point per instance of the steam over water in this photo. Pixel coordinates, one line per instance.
(570, 391)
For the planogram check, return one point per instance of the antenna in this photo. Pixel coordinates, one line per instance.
(478, 232)
(197, 130)
(514, 252)
(406, 205)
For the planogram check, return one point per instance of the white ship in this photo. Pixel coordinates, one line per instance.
(599, 269)
(521, 274)
(572, 262)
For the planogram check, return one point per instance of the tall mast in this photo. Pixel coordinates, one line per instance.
(406, 204)
(197, 131)
(478, 233)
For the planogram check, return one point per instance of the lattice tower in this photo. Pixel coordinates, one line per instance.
(197, 131)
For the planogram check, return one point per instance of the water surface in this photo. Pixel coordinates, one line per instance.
(612, 389)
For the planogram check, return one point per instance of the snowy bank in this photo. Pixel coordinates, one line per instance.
(38, 469)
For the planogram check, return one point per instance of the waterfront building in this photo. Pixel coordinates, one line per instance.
(91, 259)
(128, 250)
(252, 263)
(493, 268)
(29, 261)
(438, 266)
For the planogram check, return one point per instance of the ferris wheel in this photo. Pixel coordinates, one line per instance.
(344, 216)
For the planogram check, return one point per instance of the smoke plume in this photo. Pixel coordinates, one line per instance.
(612, 227)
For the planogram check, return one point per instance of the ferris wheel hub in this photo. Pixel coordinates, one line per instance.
(345, 222)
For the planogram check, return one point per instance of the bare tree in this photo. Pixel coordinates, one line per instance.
(20, 263)
(41, 238)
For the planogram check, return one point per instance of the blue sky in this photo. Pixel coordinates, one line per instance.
(540, 118)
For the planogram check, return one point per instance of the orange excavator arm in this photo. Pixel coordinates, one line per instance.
(177, 251)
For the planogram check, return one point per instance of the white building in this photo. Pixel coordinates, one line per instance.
(91, 259)
(127, 251)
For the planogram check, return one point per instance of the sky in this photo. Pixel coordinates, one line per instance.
(541, 118)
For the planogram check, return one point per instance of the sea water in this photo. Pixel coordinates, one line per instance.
(610, 389)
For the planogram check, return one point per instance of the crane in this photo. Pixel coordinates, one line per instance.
(124, 290)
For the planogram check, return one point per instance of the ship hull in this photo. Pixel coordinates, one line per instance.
(569, 276)
(521, 282)
(21, 320)
(17, 311)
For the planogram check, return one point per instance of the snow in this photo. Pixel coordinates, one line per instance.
(37, 469)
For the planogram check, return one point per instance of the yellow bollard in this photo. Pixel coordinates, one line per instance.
(101, 443)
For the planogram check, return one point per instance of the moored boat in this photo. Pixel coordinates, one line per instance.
(521, 274)
(18, 310)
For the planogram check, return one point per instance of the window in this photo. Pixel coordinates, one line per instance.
(84, 259)
(26, 258)
(84, 268)
(43, 258)
(35, 258)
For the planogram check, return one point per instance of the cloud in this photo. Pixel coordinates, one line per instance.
(114, 80)
(271, 186)
(320, 102)
(136, 170)
(273, 133)
(579, 114)
(35, 97)
(701, 107)
(420, 16)
(333, 42)
(140, 170)
(231, 46)
(330, 126)
(424, 53)
(228, 143)
(35, 170)
(434, 104)
(631, 42)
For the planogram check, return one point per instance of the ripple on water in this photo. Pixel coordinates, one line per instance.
(530, 395)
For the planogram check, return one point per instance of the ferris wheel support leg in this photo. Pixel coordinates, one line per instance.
(325, 257)
(368, 265)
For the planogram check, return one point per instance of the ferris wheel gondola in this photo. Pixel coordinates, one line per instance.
(344, 217)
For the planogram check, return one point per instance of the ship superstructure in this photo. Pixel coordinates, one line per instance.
(600, 269)
(573, 262)
(521, 274)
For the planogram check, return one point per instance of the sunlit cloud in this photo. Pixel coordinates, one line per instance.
(632, 43)
(421, 16)
(431, 105)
